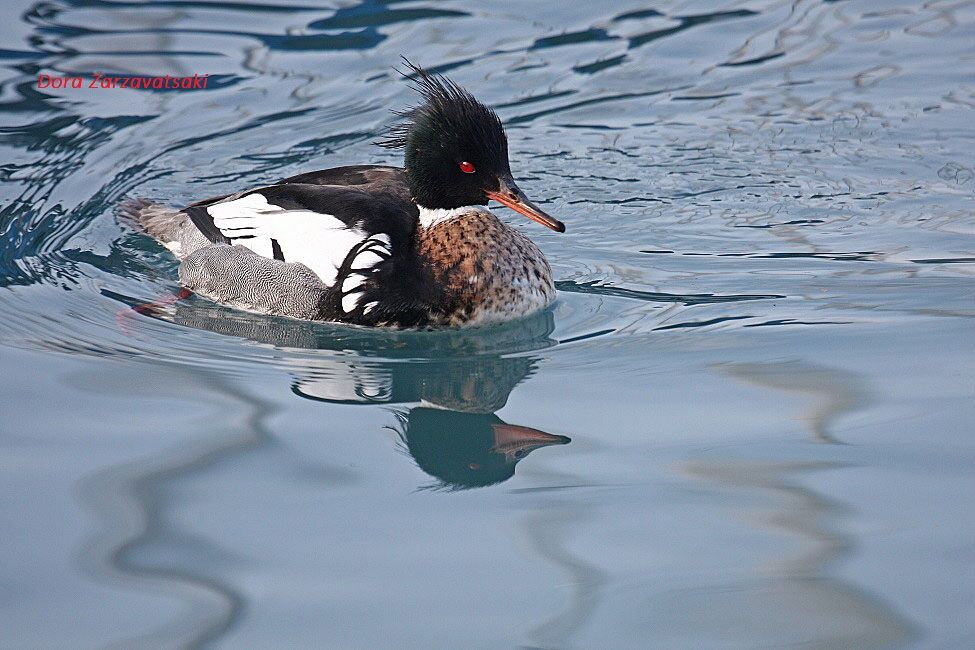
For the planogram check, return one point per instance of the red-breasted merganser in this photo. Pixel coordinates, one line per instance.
(375, 245)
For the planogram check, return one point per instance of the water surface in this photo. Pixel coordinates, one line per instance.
(752, 402)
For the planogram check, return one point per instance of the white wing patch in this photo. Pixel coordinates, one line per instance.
(319, 241)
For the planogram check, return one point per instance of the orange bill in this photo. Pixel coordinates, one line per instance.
(510, 195)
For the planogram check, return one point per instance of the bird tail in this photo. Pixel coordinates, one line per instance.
(172, 228)
(162, 222)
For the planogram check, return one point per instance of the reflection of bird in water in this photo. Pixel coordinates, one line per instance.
(478, 384)
(466, 450)
(458, 380)
(454, 434)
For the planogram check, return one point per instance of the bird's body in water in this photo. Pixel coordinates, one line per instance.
(374, 245)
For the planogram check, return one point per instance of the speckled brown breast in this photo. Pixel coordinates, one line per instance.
(491, 272)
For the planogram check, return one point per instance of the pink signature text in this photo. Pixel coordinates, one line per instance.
(101, 81)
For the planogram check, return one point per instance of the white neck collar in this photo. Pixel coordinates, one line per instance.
(432, 216)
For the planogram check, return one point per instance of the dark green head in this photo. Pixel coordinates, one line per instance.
(456, 151)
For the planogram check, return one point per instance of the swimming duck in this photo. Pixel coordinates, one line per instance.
(374, 245)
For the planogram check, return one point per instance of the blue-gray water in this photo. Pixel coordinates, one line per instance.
(762, 349)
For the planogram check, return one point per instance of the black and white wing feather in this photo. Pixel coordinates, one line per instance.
(341, 234)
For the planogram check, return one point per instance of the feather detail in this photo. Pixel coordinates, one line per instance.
(320, 241)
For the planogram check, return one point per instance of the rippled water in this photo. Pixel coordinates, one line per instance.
(759, 368)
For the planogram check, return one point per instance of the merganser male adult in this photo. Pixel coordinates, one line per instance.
(374, 245)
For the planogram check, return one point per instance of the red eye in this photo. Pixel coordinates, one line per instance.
(466, 167)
